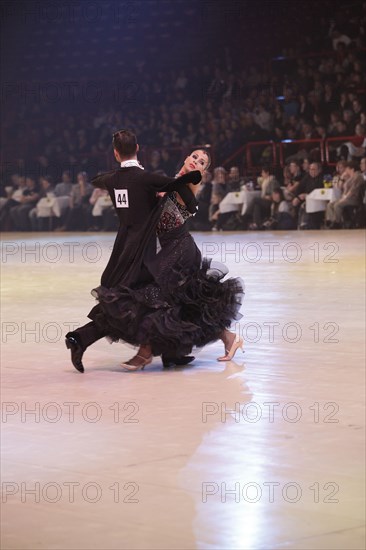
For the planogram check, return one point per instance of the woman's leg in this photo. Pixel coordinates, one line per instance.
(143, 357)
(231, 344)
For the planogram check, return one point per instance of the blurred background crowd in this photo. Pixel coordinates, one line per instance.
(305, 106)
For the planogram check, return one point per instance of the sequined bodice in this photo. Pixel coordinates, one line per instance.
(173, 215)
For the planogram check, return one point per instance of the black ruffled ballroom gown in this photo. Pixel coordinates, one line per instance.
(187, 304)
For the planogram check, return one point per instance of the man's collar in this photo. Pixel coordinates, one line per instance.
(131, 162)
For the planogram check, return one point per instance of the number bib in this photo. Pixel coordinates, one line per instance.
(121, 196)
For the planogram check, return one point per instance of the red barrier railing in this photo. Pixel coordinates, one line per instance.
(235, 155)
(338, 139)
(248, 153)
(245, 153)
(278, 151)
(285, 142)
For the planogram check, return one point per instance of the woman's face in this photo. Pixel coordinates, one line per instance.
(359, 130)
(197, 160)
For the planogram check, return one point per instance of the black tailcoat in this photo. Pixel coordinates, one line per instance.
(133, 193)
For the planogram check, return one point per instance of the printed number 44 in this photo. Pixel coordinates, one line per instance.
(121, 196)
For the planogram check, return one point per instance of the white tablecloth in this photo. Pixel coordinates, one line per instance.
(238, 200)
(52, 206)
(317, 200)
(101, 204)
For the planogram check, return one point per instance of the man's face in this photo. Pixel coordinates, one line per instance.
(293, 168)
(314, 170)
(341, 127)
(349, 172)
(30, 183)
(347, 116)
(340, 168)
(234, 173)
(45, 183)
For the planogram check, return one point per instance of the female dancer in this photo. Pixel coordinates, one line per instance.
(187, 304)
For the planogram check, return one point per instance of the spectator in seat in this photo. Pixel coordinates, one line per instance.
(234, 182)
(20, 214)
(337, 181)
(305, 165)
(214, 212)
(353, 190)
(357, 147)
(281, 213)
(64, 188)
(335, 117)
(8, 190)
(46, 189)
(219, 181)
(349, 120)
(14, 194)
(295, 176)
(312, 180)
(260, 208)
(77, 216)
(338, 37)
(363, 167)
(96, 209)
(154, 163)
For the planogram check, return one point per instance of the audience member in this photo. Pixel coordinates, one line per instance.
(20, 214)
(312, 180)
(260, 208)
(352, 195)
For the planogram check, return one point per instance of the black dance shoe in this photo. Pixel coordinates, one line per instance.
(76, 351)
(176, 361)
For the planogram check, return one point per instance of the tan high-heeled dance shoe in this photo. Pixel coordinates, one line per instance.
(144, 361)
(232, 351)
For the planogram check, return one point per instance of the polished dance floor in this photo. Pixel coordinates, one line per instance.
(263, 452)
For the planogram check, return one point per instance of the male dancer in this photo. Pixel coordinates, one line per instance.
(133, 193)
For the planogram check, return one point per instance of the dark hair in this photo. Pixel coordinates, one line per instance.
(280, 192)
(48, 178)
(353, 165)
(207, 155)
(125, 143)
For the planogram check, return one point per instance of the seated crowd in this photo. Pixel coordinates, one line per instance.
(279, 201)
(66, 206)
(269, 201)
(316, 91)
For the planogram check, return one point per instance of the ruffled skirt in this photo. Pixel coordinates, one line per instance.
(188, 304)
